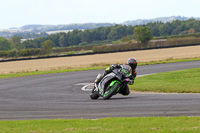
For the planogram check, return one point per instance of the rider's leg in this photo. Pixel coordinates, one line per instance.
(125, 91)
(99, 78)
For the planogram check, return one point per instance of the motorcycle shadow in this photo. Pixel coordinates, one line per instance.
(119, 98)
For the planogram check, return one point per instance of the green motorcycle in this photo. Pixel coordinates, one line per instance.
(112, 83)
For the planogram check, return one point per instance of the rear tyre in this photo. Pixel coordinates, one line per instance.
(110, 91)
(94, 94)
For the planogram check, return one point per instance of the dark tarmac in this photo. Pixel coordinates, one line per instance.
(58, 96)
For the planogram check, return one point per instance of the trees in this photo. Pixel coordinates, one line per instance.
(29, 44)
(16, 43)
(62, 41)
(102, 35)
(4, 44)
(142, 34)
(165, 29)
(47, 46)
(86, 36)
(74, 37)
(118, 31)
(126, 39)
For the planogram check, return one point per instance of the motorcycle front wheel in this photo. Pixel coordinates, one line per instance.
(111, 90)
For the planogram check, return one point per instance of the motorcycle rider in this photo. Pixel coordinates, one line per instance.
(132, 63)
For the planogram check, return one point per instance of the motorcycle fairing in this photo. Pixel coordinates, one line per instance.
(104, 81)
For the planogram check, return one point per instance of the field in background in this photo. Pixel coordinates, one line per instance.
(99, 59)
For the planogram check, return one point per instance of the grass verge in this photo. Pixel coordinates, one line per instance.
(94, 67)
(170, 60)
(182, 81)
(107, 125)
(21, 74)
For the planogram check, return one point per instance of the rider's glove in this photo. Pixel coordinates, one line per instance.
(113, 66)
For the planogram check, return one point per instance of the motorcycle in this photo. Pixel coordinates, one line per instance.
(112, 83)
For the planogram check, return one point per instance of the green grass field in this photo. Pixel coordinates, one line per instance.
(182, 81)
(107, 125)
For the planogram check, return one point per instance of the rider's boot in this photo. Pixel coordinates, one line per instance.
(98, 79)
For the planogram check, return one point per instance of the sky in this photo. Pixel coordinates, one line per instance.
(17, 13)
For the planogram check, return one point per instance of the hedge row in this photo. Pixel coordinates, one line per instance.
(150, 44)
(20, 53)
(72, 49)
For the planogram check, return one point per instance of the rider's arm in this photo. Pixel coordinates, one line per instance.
(107, 71)
(111, 68)
(134, 74)
(133, 77)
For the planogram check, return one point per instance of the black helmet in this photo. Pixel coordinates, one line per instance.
(132, 62)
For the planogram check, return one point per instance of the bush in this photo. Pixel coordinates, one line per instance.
(29, 52)
(143, 34)
(47, 46)
(150, 44)
(83, 43)
(2, 53)
(127, 38)
(20, 53)
(114, 47)
(68, 49)
(10, 53)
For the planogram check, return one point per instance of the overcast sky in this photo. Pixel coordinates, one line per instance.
(16, 13)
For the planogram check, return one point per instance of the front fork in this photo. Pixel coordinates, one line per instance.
(97, 89)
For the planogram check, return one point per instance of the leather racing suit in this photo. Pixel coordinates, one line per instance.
(125, 90)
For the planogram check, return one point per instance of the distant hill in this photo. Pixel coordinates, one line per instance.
(35, 30)
(45, 28)
(161, 19)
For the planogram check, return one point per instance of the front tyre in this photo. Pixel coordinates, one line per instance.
(94, 94)
(111, 90)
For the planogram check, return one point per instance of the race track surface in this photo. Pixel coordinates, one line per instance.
(60, 96)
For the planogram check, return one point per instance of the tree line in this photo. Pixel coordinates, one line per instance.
(113, 33)
(83, 37)
(176, 27)
(101, 35)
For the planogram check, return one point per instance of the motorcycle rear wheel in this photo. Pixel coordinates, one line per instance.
(94, 94)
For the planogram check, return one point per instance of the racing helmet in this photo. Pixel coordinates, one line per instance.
(132, 62)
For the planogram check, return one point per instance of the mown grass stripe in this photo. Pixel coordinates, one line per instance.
(106, 125)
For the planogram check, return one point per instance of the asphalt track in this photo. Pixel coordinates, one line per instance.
(60, 96)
